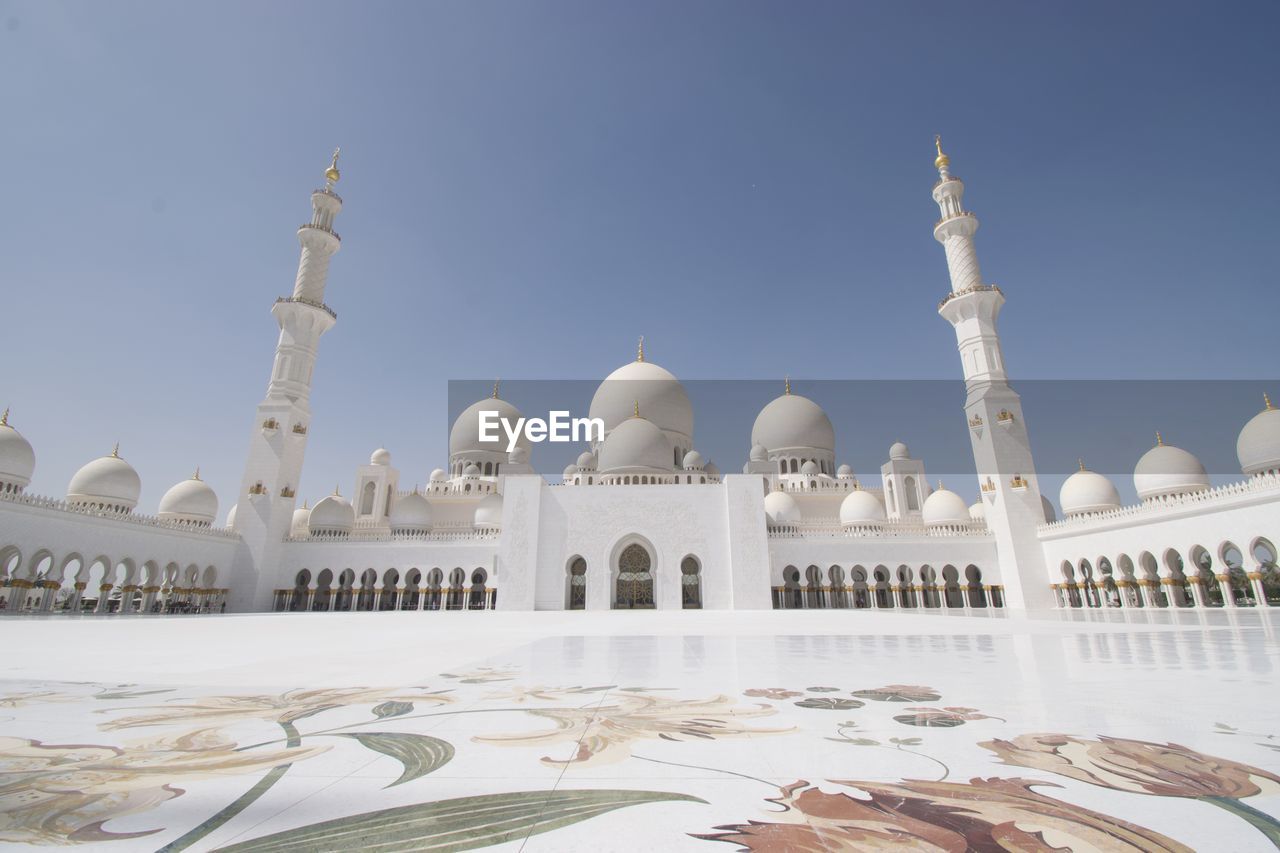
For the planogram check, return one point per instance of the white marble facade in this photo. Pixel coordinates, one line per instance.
(642, 519)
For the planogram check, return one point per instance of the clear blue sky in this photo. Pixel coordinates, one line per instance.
(531, 185)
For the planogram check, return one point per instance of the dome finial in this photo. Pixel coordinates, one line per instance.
(942, 160)
(4, 419)
(115, 451)
(640, 349)
(637, 409)
(196, 475)
(786, 385)
(336, 493)
(304, 504)
(1159, 439)
(940, 486)
(495, 388)
(332, 174)
(1266, 401)
(1080, 461)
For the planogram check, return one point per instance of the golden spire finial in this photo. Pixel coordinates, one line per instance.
(1159, 440)
(332, 174)
(786, 385)
(115, 451)
(304, 504)
(640, 349)
(637, 409)
(942, 160)
(336, 493)
(1266, 401)
(495, 388)
(196, 475)
(4, 419)
(940, 486)
(1080, 461)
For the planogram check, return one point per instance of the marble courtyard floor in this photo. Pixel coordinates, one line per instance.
(806, 731)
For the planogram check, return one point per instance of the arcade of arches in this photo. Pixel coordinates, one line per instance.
(1197, 578)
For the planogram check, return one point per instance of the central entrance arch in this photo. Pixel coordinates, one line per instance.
(633, 586)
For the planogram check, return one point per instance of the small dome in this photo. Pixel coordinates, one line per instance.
(464, 437)
(944, 507)
(231, 515)
(109, 481)
(411, 514)
(781, 509)
(1165, 470)
(381, 456)
(860, 507)
(978, 511)
(792, 422)
(635, 443)
(489, 512)
(569, 471)
(1050, 514)
(518, 455)
(693, 461)
(472, 470)
(587, 460)
(17, 459)
(190, 501)
(844, 472)
(1258, 447)
(712, 471)
(899, 451)
(439, 476)
(759, 453)
(809, 467)
(1087, 491)
(300, 525)
(333, 515)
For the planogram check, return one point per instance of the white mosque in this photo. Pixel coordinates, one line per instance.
(643, 520)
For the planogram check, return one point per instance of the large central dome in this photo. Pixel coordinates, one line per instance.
(658, 395)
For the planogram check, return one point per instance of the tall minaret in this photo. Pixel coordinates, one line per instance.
(1001, 449)
(279, 436)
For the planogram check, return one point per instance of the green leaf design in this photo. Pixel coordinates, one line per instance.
(465, 823)
(829, 703)
(419, 754)
(906, 741)
(937, 721)
(899, 693)
(823, 689)
(392, 709)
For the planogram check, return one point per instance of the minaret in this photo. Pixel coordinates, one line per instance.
(279, 437)
(1001, 449)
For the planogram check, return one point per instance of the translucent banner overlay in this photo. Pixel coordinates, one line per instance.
(1109, 424)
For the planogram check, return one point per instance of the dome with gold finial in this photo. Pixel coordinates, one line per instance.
(107, 483)
(1258, 446)
(190, 502)
(1165, 471)
(17, 459)
(1086, 492)
(660, 396)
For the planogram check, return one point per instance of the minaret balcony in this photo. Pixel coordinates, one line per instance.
(313, 303)
(977, 288)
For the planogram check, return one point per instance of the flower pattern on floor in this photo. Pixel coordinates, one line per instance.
(140, 747)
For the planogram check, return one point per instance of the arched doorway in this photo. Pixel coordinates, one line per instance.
(576, 585)
(634, 587)
(690, 583)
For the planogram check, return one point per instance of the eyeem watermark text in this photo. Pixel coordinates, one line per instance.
(559, 426)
